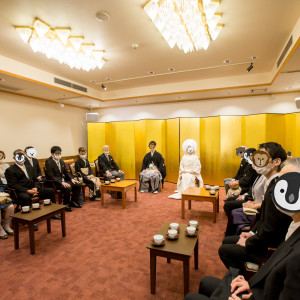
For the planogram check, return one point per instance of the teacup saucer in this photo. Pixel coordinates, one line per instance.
(173, 238)
(48, 203)
(191, 235)
(25, 212)
(38, 207)
(178, 230)
(155, 244)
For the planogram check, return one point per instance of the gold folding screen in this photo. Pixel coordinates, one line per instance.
(217, 138)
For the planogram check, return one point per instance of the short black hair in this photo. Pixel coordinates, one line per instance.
(17, 151)
(250, 151)
(152, 143)
(28, 147)
(81, 149)
(55, 148)
(275, 150)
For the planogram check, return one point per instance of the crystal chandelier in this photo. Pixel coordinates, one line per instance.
(57, 43)
(190, 24)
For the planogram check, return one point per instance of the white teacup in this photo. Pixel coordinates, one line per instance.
(174, 226)
(216, 187)
(118, 179)
(25, 208)
(193, 223)
(191, 230)
(106, 182)
(212, 192)
(46, 201)
(112, 181)
(207, 186)
(35, 205)
(158, 238)
(172, 233)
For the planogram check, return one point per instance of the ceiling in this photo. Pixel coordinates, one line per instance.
(251, 28)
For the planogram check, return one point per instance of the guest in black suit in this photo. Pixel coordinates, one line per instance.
(30, 159)
(56, 170)
(108, 166)
(153, 170)
(271, 224)
(279, 277)
(20, 177)
(82, 166)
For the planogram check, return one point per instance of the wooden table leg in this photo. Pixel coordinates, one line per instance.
(123, 199)
(63, 223)
(196, 255)
(214, 210)
(102, 197)
(218, 203)
(135, 193)
(182, 207)
(186, 274)
(168, 260)
(16, 233)
(31, 238)
(190, 204)
(152, 272)
(49, 225)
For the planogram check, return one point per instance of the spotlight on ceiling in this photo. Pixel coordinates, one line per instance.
(103, 86)
(61, 105)
(250, 67)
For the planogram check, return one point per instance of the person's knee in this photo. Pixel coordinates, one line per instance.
(192, 296)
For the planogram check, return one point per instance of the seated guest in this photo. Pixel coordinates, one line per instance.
(245, 183)
(31, 160)
(108, 166)
(56, 170)
(82, 166)
(7, 207)
(189, 169)
(271, 224)
(279, 277)
(3, 167)
(240, 153)
(153, 171)
(20, 177)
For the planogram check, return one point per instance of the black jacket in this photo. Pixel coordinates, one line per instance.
(247, 178)
(279, 277)
(17, 180)
(53, 173)
(271, 225)
(158, 161)
(36, 167)
(80, 163)
(107, 164)
(240, 171)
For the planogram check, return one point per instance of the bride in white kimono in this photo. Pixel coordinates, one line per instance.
(189, 170)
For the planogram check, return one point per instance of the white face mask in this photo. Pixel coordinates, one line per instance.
(106, 152)
(57, 156)
(263, 170)
(83, 156)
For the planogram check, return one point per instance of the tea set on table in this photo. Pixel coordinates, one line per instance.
(107, 182)
(172, 234)
(212, 188)
(27, 209)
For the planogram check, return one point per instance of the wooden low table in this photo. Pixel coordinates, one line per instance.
(180, 249)
(35, 216)
(119, 186)
(200, 194)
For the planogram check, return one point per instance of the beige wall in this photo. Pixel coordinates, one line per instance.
(28, 122)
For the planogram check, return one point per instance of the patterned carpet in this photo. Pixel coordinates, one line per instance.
(104, 254)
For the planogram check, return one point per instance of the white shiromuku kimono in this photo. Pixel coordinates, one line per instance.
(189, 170)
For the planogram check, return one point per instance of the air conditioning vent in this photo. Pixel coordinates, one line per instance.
(258, 91)
(285, 50)
(70, 85)
(6, 87)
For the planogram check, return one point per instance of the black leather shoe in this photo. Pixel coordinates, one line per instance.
(36, 228)
(56, 217)
(68, 208)
(74, 204)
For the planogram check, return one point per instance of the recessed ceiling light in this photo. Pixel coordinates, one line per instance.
(171, 69)
(92, 81)
(102, 16)
(151, 72)
(253, 57)
(135, 46)
(179, 97)
(107, 78)
(226, 61)
(288, 88)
